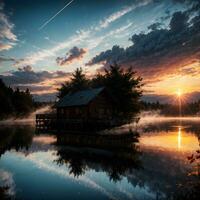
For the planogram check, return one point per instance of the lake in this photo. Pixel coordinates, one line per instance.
(37, 166)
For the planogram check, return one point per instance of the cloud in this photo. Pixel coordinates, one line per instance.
(160, 51)
(39, 82)
(179, 21)
(5, 46)
(7, 37)
(74, 54)
(27, 68)
(115, 54)
(6, 59)
(105, 23)
(6, 180)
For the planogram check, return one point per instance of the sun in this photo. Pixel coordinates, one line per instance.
(179, 93)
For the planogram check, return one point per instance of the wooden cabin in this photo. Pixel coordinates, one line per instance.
(91, 104)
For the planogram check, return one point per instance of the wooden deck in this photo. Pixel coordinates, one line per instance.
(46, 121)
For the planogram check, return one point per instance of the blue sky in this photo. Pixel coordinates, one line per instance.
(28, 16)
(90, 26)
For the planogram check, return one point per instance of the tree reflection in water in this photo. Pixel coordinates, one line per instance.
(14, 138)
(116, 162)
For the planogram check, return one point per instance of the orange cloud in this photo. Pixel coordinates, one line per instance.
(74, 54)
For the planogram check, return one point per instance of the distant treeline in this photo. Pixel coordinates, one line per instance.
(14, 102)
(187, 109)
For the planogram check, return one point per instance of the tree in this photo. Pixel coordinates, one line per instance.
(22, 102)
(125, 88)
(77, 82)
(97, 81)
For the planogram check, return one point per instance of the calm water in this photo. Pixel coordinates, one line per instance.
(36, 166)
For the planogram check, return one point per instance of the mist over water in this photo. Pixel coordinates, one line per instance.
(145, 118)
(149, 118)
(30, 119)
(155, 116)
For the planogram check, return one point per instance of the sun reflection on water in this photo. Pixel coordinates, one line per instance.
(179, 137)
(178, 140)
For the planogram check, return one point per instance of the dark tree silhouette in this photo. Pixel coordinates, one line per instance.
(6, 106)
(98, 81)
(125, 88)
(22, 101)
(14, 102)
(77, 82)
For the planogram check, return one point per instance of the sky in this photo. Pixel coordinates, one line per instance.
(42, 42)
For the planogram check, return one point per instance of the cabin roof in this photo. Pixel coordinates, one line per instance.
(79, 98)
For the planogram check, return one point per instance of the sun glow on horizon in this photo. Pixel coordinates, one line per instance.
(179, 93)
(170, 85)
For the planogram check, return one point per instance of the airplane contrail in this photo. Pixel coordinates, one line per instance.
(49, 20)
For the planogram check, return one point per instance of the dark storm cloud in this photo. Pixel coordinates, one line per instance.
(27, 68)
(179, 22)
(160, 50)
(115, 54)
(74, 54)
(27, 75)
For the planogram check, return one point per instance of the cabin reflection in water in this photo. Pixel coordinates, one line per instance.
(79, 157)
(126, 140)
(114, 154)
